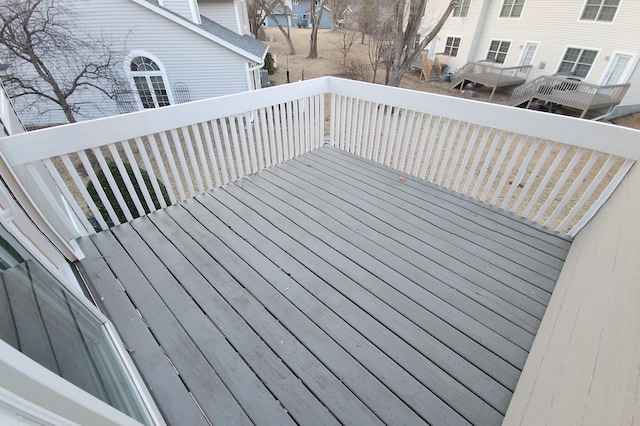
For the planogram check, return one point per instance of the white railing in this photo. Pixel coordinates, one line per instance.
(164, 156)
(554, 170)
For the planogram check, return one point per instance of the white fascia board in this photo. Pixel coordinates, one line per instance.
(183, 22)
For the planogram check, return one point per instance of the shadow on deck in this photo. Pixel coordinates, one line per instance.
(327, 289)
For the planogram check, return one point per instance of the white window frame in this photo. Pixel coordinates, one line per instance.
(498, 51)
(462, 9)
(524, 52)
(582, 49)
(511, 6)
(294, 2)
(600, 8)
(453, 38)
(162, 72)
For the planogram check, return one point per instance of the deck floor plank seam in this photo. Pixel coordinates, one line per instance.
(466, 225)
(537, 235)
(428, 321)
(342, 305)
(442, 300)
(327, 290)
(414, 244)
(347, 367)
(164, 384)
(224, 360)
(204, 382)
(188, 235)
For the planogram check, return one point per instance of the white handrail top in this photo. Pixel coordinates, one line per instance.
(604, 137)
(54, 141)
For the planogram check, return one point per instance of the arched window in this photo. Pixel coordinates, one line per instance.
(149, 82)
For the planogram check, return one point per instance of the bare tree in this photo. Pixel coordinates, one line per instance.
(316, 17)
(347, 38)
(367, 15)
(285, 33)
(258, 11)
(380, 45)
(51, 64)
(338, 8)
(408, 17)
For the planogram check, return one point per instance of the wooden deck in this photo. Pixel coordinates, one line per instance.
(327, 290)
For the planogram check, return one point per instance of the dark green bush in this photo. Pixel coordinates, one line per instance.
(115, 172)
(268, 64)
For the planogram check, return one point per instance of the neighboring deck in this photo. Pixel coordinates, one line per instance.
(327, 289)
(491, 75)
(562, 90)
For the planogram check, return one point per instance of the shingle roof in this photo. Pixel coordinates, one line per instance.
(244, 42)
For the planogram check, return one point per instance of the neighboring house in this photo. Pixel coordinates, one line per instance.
(281, 14)
(597, 41)
(185, 50)
(301, 16)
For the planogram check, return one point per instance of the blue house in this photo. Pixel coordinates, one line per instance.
(299, 13)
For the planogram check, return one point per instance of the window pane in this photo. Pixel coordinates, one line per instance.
(581, 70)
(607, 13)
(600, 10)
(588, 56)
(159, 90)
(452, 45)
(565, 67)
(48, 324)
(517, 11)
(571, 55)
(144, 92)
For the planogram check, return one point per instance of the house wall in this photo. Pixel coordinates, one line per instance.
(186, 8)
(554, 25)
(304, 7)
(584, 363)
(269, 22)
(207, 68)
(221, 12)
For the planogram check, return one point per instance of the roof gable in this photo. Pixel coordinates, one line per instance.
(243, 45)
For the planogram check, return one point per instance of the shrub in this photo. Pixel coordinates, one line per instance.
(269, 64)
(115, 172)
(356, 70)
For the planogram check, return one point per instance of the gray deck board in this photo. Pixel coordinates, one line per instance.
(445, 321)
(480, 219)
(368, 321)
(161, 378)
(324, 290)
(436, 257)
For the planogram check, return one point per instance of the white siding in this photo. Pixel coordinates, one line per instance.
(463, 27)
(633, 95)
(207, 68)
(186, 8)
(223, 13)
(554, 25)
